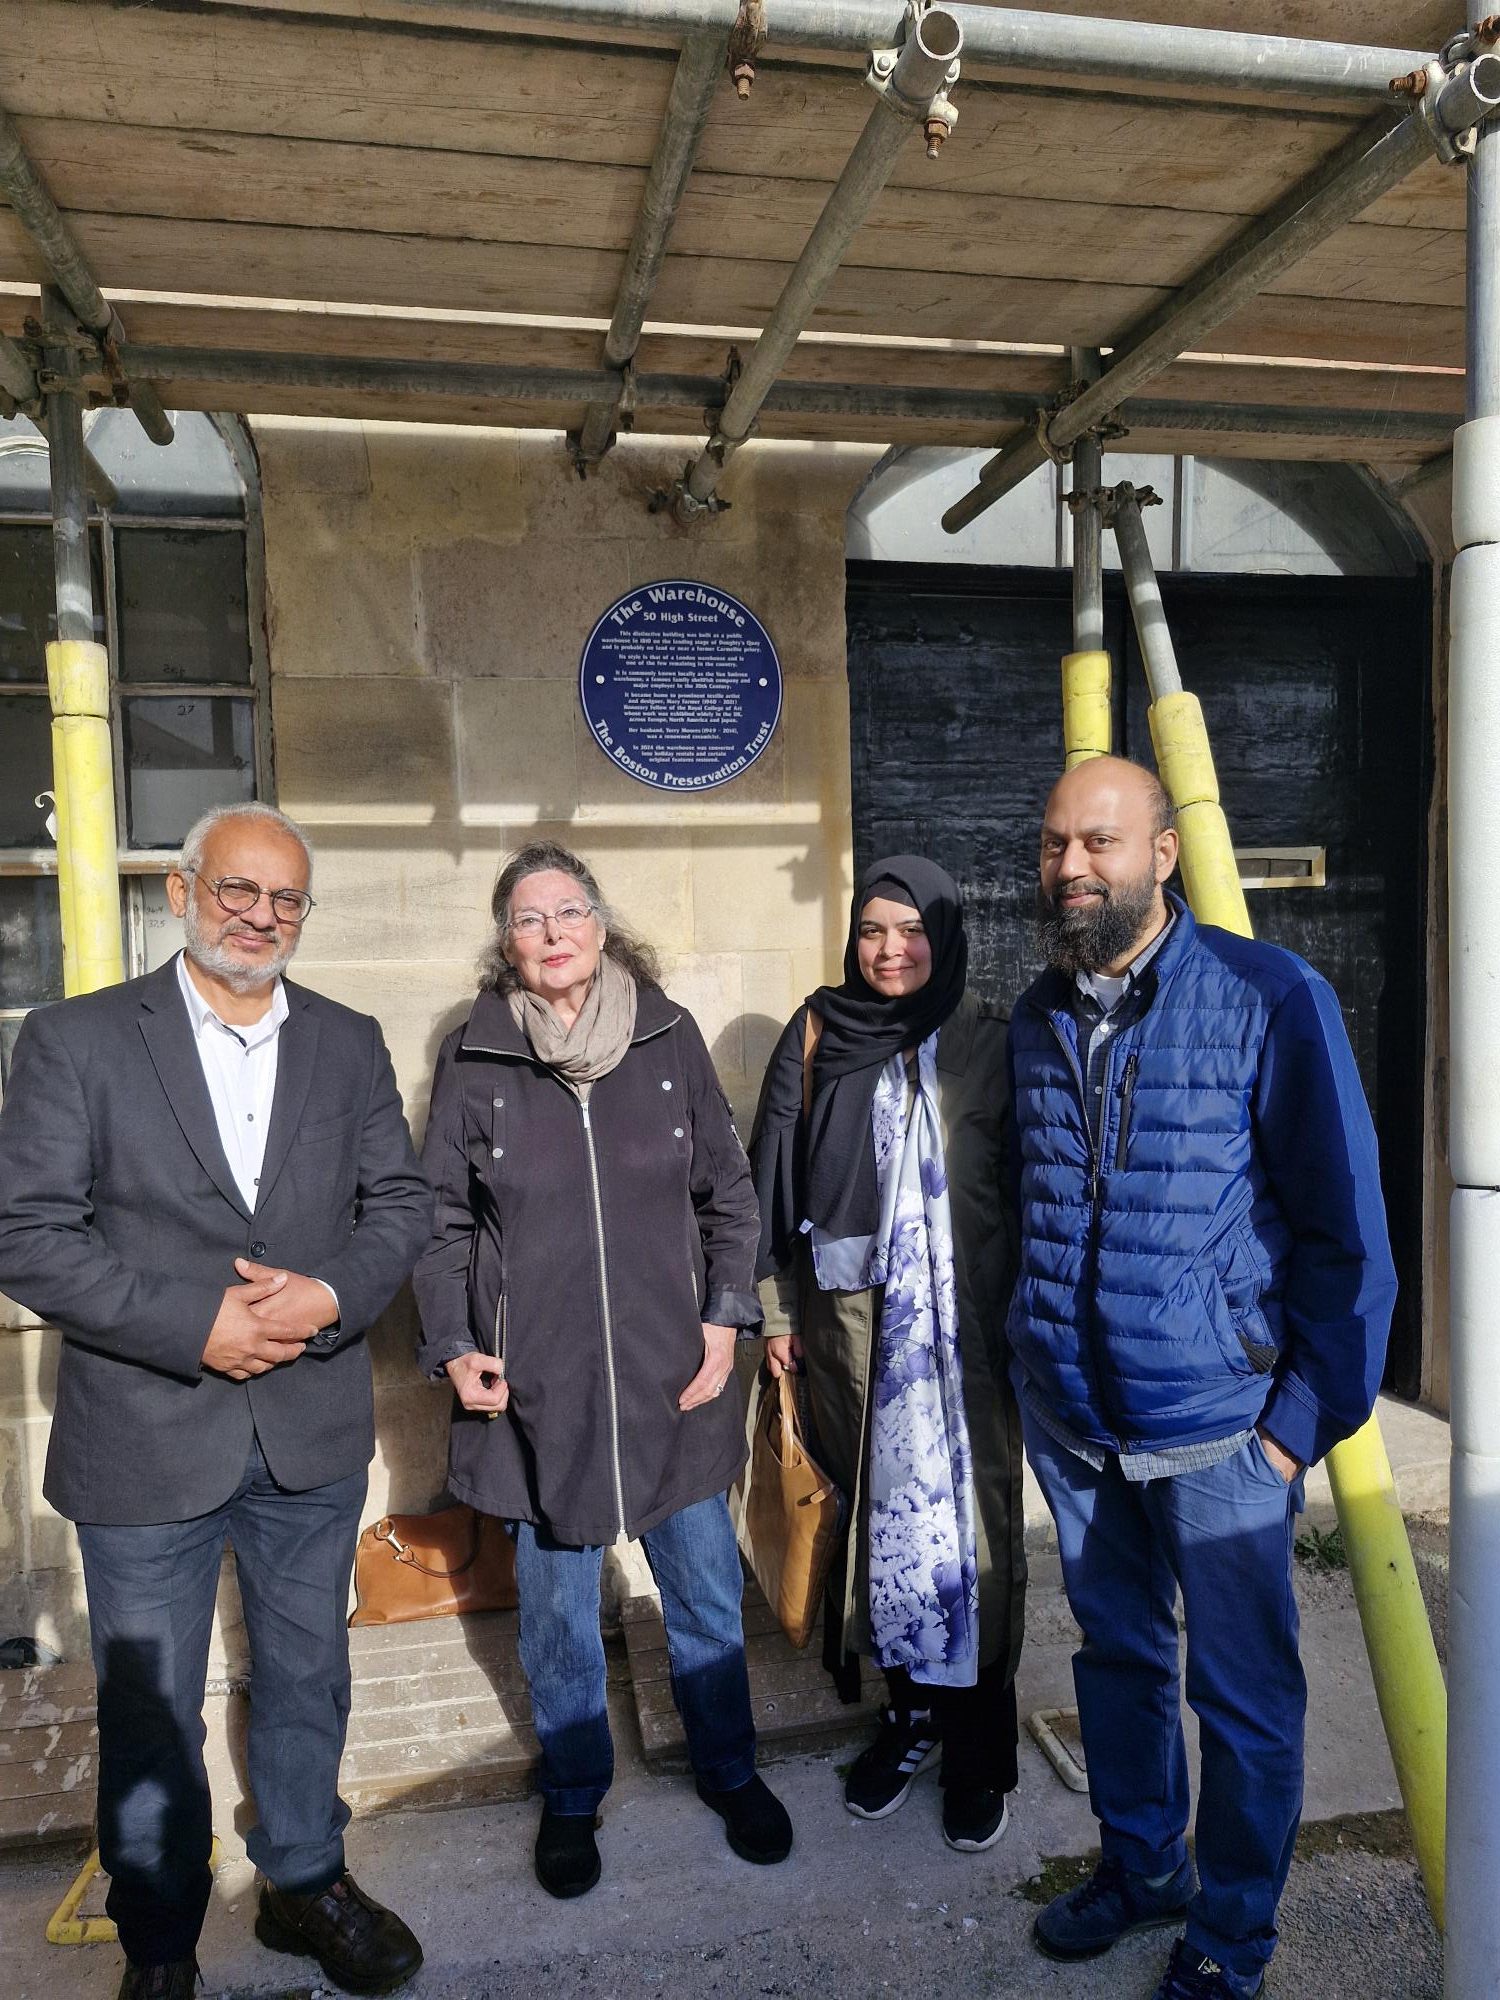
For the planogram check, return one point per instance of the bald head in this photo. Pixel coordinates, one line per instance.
(1125, 785)
(1108, 845)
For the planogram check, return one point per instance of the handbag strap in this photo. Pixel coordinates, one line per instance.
(786, 1414)
(385, 1531)
(812, 1034)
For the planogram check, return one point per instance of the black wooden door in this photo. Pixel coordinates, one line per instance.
(1316, 694)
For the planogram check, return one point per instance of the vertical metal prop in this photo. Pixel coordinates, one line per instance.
(1472, 1953)
(1088, 710)
(1088, 524)
(1157, 650)
(88, 869)
(70, 510)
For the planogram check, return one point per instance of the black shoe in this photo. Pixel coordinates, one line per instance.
(758, 1825)
(567, 1855)
(362, 1947)
(881, 1776)
(974, 1817)
(175, 1981)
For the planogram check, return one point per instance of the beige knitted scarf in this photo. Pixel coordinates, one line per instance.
(597, 1040)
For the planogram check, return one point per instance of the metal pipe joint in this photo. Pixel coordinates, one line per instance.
(918, 89)
(1455, 102)
(1111, 499)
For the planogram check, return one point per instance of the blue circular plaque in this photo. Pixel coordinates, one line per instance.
(681, 686)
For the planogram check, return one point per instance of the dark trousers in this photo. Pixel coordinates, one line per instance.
(1223, 1536)
(696, 1564)
(978, 1725)
(151, 1594)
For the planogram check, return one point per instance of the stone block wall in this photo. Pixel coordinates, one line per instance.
(428, 594)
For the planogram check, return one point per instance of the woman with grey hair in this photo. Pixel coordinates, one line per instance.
(591, 1267)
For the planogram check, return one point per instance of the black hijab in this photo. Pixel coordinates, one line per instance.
(826, 1174)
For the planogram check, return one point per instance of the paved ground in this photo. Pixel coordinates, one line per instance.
(859, 1910)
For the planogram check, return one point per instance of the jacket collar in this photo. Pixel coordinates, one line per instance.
(1053, 991)
(168, 1033)
(491, 1028)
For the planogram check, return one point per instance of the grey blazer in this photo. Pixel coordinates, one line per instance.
(120, 1222)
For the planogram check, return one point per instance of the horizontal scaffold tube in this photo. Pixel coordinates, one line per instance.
(253, 370)
(1023, 39)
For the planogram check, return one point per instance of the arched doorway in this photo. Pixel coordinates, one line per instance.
(1300, 603)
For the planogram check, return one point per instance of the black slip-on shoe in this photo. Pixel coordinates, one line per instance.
(757, 1824)
(567, 1855)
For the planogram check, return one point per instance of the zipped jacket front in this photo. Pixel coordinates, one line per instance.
(584, 1246)
(1214, 1253)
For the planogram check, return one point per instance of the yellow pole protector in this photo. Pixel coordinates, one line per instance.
(1403, 1659)
(64, 873)
(65, 1926)
(1086, 718)
(84, 784)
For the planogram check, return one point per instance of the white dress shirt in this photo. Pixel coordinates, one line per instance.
(239, 1067)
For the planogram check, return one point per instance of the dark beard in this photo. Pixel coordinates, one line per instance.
(1114, 921)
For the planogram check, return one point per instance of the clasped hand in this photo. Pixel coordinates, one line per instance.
(266, 1321)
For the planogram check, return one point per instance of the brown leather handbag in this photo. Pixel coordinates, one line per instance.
(790, 1513)
(410, 1566)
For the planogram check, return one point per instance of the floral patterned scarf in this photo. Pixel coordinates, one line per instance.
(924, 1586)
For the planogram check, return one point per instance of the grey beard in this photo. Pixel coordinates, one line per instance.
(215, 958)
(1116, 920)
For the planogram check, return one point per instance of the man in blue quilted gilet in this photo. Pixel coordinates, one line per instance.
(1202, 1312)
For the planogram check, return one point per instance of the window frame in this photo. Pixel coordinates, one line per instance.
(139, 865)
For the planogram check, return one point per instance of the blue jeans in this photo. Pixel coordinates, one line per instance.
(151, 1594)
(1224, 1536)
(696, 1564)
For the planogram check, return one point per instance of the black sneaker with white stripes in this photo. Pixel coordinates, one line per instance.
(905, 1743)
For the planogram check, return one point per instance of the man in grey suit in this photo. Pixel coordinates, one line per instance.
(207, 1184)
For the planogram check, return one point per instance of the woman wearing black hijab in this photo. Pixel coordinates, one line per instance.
(878, 1159)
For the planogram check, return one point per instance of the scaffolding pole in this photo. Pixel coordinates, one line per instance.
(1473, 1943)
(911, 90)
(1013, 38)
(83, 784)
(44, 222)
(1087, 719)
(697, 75)
(1365, 167)
(1398, 1638)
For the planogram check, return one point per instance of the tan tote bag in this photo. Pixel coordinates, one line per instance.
(790, 1512)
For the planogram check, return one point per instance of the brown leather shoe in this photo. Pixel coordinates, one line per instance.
(362, 1947)
(176, 1981)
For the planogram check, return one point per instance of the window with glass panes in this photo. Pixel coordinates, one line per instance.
(176, 567)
